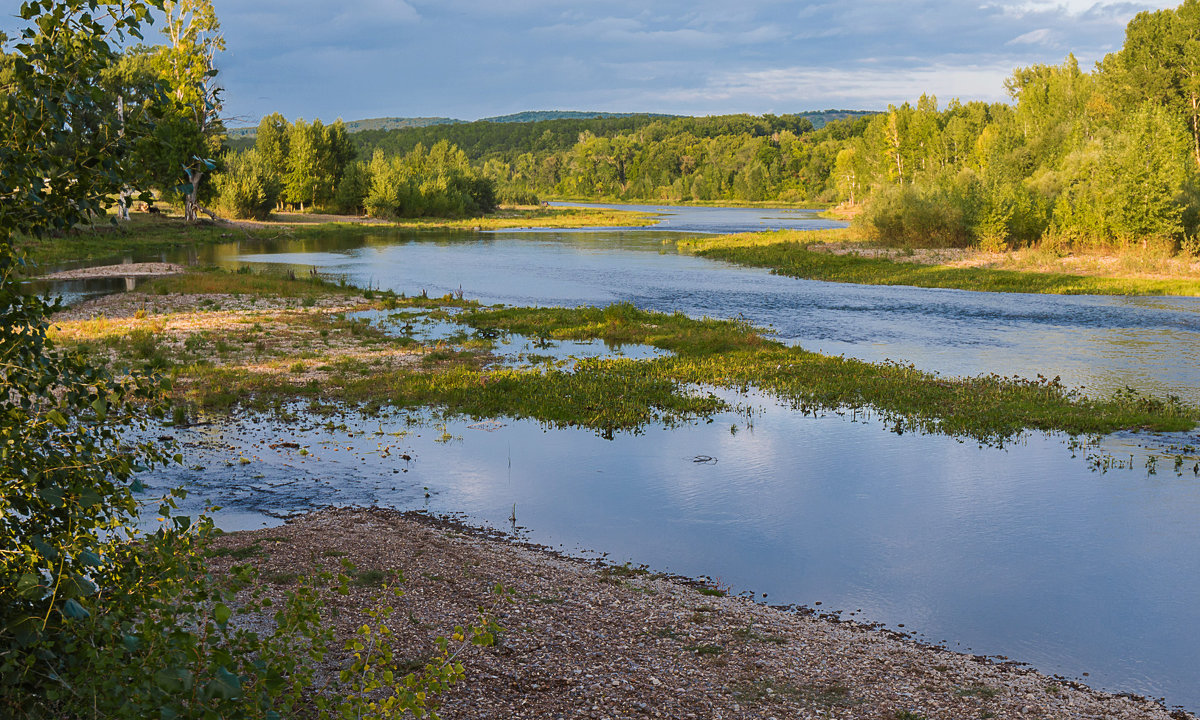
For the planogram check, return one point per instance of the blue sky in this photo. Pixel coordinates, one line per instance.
(471, 59)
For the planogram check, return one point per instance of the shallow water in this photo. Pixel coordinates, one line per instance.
(1100, 343)
(1022, 552)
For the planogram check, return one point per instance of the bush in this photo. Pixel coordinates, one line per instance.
(245, 189)
(511, 195)
(905, 216)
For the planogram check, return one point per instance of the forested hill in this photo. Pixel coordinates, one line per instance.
(384, 123)
(539, 115)
(486, 139)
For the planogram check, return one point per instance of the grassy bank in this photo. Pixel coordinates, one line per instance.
(841, 256)
(660, 202)
(231, 338)
(152, 233)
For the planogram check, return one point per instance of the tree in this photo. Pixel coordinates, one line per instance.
(1160, 61)
(306, 172)
(64, 468)
(271, 142)
(189, 72)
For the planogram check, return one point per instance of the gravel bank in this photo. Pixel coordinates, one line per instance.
(147, 269)
(582, 640)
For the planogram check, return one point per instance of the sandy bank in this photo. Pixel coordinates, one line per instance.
(583, 641)
(124, 270)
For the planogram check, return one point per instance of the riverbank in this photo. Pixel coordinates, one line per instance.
(585, 640)
(844, 256)
(157, 232)
(261, 341)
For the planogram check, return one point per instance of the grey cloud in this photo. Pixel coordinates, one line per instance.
(473, 58)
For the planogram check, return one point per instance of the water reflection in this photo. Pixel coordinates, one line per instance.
(1022, 552)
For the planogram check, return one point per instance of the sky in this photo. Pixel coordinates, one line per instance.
(469, 59)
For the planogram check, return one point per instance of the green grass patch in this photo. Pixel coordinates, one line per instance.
(603, 394)
(787, 254)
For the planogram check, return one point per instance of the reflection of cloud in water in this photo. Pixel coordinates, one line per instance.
(1006, 551)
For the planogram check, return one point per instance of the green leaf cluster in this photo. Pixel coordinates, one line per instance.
(97, 619)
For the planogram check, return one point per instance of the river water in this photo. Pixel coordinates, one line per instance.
(1024, 551)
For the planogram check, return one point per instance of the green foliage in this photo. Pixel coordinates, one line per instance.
(730, 157)
(192, 131)
(437, 182)
(96, 619)
(247, 188)
(1081, 159)
(908, 216)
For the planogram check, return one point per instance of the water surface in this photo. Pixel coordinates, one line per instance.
(1023, 552)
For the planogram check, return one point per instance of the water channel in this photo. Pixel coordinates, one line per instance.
(1023, 551)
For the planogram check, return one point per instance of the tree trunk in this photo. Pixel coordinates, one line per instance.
(123, 198)
(191, 202)
(1196, 128)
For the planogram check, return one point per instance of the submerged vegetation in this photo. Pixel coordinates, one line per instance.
(254, 344)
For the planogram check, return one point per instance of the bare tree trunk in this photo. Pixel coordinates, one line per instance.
(1196, 128)
(191, 202)
(123, 198)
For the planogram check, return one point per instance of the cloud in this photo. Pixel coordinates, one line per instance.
(865, 87)
(1041, 36)
(473, 58)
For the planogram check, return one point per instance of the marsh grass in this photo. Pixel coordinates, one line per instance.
(327, 358)
(1030, 271)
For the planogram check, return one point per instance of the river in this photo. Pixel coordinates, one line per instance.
(1023, 551)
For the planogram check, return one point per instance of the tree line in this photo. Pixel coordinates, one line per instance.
(1106, 157)
(305, 165)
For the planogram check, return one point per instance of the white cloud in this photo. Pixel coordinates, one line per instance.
(861, 87)
(1041, 36)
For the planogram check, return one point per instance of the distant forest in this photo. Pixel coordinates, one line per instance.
(1108, 157)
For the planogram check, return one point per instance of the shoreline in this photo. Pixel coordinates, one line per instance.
(587, 639)
(123, 270)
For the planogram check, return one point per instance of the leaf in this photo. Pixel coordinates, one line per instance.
(221, 614)
(74, 610)
(131, 642)
(225, 685)
(28, 583)
(89, 557)
(100, 405)
(57, 418)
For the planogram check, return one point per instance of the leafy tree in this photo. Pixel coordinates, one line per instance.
(92, 624)
(245, 188)
(64, 470)
(193, 134)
